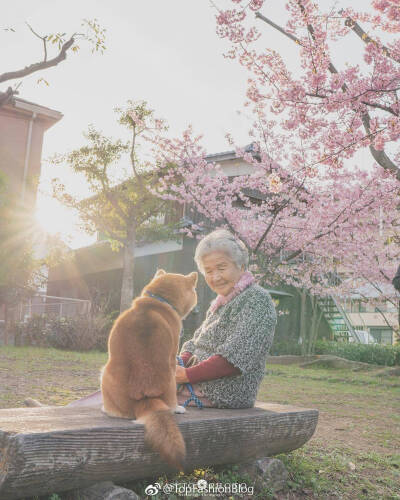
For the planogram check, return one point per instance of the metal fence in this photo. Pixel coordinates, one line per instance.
(50, 306)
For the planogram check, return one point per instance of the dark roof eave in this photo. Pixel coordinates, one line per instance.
(226, 155)
(278, 293)
(24, 105)
(229, 155)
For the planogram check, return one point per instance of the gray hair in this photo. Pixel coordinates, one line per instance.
(224, 241)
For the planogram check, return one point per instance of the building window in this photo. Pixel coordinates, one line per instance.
(382, 335)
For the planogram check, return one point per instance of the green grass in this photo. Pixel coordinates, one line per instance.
(358, 424)
(50, 375)
(354, 453)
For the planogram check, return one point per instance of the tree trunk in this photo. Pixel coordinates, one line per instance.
(314, 324)
(127, 288)
(5, 324)
(303, 302)
(43, 450)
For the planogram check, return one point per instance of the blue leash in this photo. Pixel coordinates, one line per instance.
(193, 396)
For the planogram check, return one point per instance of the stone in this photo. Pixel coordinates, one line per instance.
(338, 363)
(388, 372)
(105, 491)
(290, 359)
(266, 472)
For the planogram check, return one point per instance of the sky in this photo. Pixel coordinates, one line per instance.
(163, 51)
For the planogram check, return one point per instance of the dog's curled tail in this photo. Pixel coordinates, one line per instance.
(161, 431)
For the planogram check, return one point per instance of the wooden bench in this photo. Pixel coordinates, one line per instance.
(55, 449)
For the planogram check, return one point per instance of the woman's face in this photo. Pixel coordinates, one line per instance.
(220, 272)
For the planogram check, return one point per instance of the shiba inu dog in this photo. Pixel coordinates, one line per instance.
(138, 381)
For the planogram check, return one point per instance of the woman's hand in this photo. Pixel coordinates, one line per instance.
(180, 375)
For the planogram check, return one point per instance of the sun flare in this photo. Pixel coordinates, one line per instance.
(53, 218)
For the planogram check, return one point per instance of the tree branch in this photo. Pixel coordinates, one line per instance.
(28, 70)
(152, 212)
(277, 27)
(110, 196)
(277, 210)
(379, 156)
(326, 233)
(43, 38)
(367, 39)
(133, 159)
(372, 105)
(101, 223)
(269, 227)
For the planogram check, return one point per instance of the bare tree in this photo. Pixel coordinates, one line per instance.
(93, 33)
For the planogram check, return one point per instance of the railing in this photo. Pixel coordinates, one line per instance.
(50, 306)
(349, 326)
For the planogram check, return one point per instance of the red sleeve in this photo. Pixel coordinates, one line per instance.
(185, 357)
(213, 367)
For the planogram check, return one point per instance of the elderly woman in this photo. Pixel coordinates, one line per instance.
(225, 359)
(231, 345)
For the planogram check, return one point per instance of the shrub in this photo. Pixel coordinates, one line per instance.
(78, 333)
(378, 354)
(285, 347)
(105, 332)
(30, 332)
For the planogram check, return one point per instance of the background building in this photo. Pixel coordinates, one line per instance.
(95, 272)
(22, 128)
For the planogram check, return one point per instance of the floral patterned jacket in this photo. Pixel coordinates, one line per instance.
(242, 331)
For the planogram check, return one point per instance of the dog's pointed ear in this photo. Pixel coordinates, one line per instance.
(159, 272)
(193, 277)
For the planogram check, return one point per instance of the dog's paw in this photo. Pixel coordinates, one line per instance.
(180, 409)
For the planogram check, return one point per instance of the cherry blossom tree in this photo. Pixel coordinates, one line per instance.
(323, 114)
(324, 234)
(300, 226)
(317, 222)
(333, 112)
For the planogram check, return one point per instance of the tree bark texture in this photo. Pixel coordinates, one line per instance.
(53, 449)
(127, 287)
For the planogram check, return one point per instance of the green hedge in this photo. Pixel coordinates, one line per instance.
(378, 354)
(285, 347)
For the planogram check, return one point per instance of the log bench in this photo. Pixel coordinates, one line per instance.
(54, 449)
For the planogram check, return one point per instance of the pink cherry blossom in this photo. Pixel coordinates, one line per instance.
(305, 212)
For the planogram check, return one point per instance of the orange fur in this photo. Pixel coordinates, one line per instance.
(138, 381)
